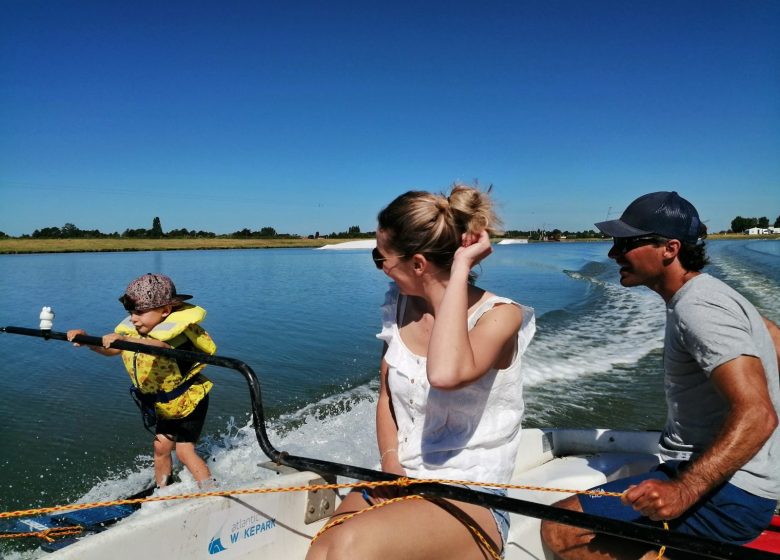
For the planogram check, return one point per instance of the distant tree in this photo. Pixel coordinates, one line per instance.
(48, 233)
(763, 222)
(777, 222)
(267, 232)
(516, 233)
(740, 224)
(156, 232)
(353, 230)
(70, 231)
(135, 233)
(245, 233)
(3, 235)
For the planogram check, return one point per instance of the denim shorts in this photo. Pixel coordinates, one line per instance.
(500, 516)
(728, 514)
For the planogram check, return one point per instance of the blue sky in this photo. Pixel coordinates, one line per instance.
(311, 116)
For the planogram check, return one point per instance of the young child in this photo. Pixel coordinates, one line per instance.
(171, 393)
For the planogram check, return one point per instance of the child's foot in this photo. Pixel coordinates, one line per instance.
(207, 484)
(167, 480)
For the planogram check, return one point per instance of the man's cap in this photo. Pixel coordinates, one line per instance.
(150, 291)
(663, 213)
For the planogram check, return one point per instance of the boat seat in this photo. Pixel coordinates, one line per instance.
(575, 472)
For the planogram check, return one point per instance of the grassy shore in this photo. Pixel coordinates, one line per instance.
(96, 245)
(18, 246)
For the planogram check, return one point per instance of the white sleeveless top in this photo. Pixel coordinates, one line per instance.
(471, 433)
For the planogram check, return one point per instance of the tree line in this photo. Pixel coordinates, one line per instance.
(70, 231)
(740, 224)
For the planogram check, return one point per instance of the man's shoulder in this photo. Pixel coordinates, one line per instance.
(706, 289)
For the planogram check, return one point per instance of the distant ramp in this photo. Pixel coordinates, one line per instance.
(362, 244)
(512, 241)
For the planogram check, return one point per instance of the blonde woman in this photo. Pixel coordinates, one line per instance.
(450, 400)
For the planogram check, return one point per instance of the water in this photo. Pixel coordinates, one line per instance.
(305, 320)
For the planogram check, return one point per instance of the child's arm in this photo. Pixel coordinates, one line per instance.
(105, 351)
(149, 341)
(109, 338)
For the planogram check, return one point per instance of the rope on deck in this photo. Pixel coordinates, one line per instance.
(50, 534)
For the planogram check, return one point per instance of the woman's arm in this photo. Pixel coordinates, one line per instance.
(457, 356)
(386, 428)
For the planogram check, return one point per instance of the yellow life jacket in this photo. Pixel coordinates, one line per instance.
(158, 375)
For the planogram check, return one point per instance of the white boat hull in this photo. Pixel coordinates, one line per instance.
(273, 526)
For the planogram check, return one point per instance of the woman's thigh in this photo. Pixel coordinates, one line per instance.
(410, 529)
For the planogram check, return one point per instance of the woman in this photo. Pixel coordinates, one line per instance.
(450, 400)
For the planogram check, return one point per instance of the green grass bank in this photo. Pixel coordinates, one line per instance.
(26, 246)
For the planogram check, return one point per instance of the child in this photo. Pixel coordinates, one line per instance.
(171, 393)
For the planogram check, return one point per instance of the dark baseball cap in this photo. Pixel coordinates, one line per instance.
(663, 213)
(150, 291)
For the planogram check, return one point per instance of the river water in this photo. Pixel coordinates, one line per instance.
(305, 321)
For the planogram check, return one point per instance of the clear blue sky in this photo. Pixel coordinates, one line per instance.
(311, 116)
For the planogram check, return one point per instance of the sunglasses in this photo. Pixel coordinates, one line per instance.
(622, 245)
(378, 258)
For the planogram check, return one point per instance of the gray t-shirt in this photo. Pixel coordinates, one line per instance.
(708, 324)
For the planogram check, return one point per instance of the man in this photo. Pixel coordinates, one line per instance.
(720, 478)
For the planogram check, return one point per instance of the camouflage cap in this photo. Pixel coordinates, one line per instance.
(150, 291)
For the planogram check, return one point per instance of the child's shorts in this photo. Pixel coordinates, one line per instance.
(728, 514)
(187, 429)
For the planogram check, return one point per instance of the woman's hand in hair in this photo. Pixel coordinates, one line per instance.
(474, 247)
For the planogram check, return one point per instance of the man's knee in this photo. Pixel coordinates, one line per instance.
(558, 536)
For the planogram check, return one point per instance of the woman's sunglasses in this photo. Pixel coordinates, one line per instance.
(622, 245)
(378, 258)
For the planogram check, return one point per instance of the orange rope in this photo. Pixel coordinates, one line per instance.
(402, 481)
(46, 534)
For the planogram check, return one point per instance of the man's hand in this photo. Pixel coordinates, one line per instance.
(660, 500)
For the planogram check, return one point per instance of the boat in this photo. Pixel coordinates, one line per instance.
(259, 522)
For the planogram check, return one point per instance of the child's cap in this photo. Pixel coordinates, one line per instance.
(150, 291)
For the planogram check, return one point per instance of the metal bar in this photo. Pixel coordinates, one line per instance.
(621, 529)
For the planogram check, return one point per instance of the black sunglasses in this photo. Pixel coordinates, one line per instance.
(623, 245)
(378, 258)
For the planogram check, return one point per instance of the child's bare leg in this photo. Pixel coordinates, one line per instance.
(190, 459)
(163, 464)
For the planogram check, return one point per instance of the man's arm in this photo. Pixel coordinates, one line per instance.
(774, 332)
(750, 422)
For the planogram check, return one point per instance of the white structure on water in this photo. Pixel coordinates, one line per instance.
(512, 241)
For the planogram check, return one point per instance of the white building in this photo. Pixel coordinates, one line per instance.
(762, 231)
